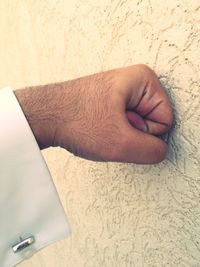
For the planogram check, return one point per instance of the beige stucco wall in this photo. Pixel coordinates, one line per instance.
(120, 214)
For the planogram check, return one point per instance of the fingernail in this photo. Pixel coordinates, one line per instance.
(143, 127)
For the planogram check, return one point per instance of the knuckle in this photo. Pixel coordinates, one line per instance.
(146, 70)
(145, 67)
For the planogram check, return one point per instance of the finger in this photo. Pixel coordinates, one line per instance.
(137, 121)
(153, 105)
(148, 125)
(140, 147)
(160, 119)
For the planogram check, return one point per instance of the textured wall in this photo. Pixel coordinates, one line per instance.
(121, 214)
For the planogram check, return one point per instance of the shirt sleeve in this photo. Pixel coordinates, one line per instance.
(31, 214)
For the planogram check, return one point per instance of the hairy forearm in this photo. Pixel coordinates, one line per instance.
(33, 104)
(53, 107)
(39, 106)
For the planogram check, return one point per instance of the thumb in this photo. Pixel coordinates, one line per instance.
(141, 147)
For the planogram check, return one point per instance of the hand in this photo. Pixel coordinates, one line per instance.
(110, 116)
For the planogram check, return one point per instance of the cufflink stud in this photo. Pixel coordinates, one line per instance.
(24, 243)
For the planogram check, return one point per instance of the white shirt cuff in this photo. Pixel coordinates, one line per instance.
(29, 203)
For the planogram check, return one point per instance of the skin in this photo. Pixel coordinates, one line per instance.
(115, 115)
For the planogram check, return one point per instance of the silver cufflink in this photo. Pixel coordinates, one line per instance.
(24, 243)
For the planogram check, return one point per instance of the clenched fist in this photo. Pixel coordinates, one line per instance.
(115, 115)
